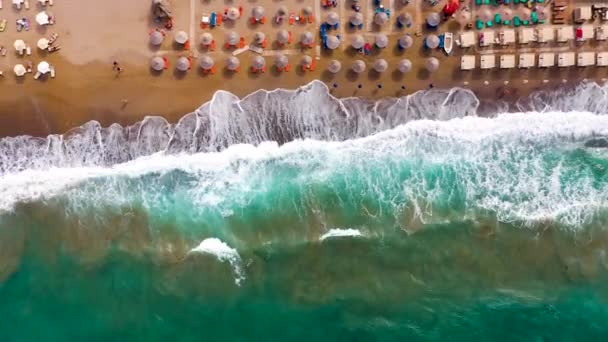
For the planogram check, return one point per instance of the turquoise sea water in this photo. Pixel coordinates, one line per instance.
(470, 229)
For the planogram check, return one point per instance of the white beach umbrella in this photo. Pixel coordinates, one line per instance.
(405, 19)
(233, 13)
(306, 38)
(281, 61)
(307, 10)
(463, 17)
(406, 41)
(431, 64)
(332, 42)
(380, 65)
(19, 45)
(332, 18)
(432, 41)
(232, 38)
(19, 70)
(307, 60)
(543, 13)
(258, 37)
(156, 38)
(43, 67)
(258, 62)
(356, 19)
(404, 65)
(433, 19)
(206, 38)
(232, 63)
(181, 37)
(182, 64)
(380, 18)
(506, 13)
(524, 13)
(334, 66)
(484, 14)
(283, 36)
(357, 41)
(42, 18)
(43, 43)
(358, 66)
(381, 40)
(257, 12)
(282, 10)
(206, 62)
(157, 63)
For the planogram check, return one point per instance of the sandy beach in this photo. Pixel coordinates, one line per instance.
(93, 34)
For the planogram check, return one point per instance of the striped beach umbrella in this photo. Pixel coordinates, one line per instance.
(358, 66)
(206, 62)
(404, 66)
(380, 65)
(156, 37)
(381, 40)
(157, 63)
(357, 41)
(332, 18)
(182, 64)
(233, 63)
(334, 66)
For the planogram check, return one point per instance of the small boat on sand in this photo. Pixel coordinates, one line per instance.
(448, 43)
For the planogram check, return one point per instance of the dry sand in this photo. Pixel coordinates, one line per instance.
(95, 33)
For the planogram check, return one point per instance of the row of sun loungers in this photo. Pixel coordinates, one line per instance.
(530, 60)
(529, 35)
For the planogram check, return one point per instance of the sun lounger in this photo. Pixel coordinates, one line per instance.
(37, 76)
(3, 25)
(1, 5)
(52, 72)
(28, 51)
(292, 18)
(27, 4)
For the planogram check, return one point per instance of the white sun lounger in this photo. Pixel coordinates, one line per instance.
(37, 76)
(52, 72)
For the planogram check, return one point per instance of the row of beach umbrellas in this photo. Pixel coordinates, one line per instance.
(283, 36)
(42, 67)
(381, 41)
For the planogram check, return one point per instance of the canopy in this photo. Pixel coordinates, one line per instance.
(206, 38)
(43, 67)
(206, 62)
(404, 65)
(356, 19)
(432, 64)
(232, 63)
(232, 38)
(332, 42)
(380, 18)
(332, 18)
(182, 64)
(157, 63)
(358, 66)
(381, 40)
(334, 66)
(43, 43)
(258, 37)
(433, 19)
(19, 70)
(357, 41)
(380, 65)
(257, 12)
(283, 36)
(406, 41)
(306, 60)
(156, 37)
(281, 61)
(181, 37)
(42, 18)
(19, 45)
(306, 38)
(431, 41)
(258, 62)
(233, 13)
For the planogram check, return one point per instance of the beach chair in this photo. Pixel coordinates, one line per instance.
(52, 72)
(263, 45)
(311, 19)
(292, 18)
(312, 66)
(287, 67)
(290, 38)
(219, 20)
(213, 19)
(28, 50)
(242, 42)
(166, 66)
(37, 75)
(27, 4)
(212, 45)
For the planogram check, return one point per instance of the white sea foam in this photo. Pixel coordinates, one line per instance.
(223, 253)
(339, 233)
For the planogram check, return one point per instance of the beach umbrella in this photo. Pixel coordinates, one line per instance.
(332, 18)
(380, 18)
(43, 43)
(307, 10)
(404, 65)
(380, 65)
(406, 41)
(19, 70)
(381, 40)
(405, 19)
(232, 38)
(233, 13)
(281, 61)
(356, 19)
(524, 13)
(42, 18)
(431, 64)
(181, 37)
(332, 42)
(306, 38)
(464, 17)
(358, 66)
(182, 64)
(257, 12)
(157, 63)
(357, 41)
(156, 37)
(282, 10)
(283, 36)
(206, 62)
(307, 60)
(543, 13)
(258, 37)
(334, 66)
(484, 14)
(258, 62)
(43, 67)
(506, 13)
(431, 41)
(233, 63)
(433, 19)
(19, 45)
(206, 38)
